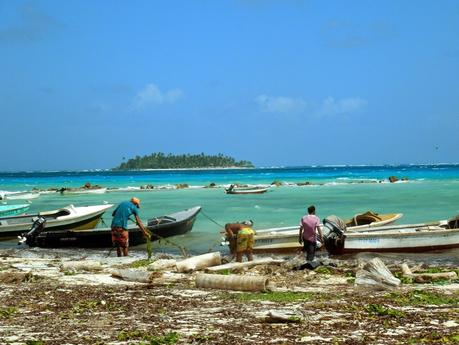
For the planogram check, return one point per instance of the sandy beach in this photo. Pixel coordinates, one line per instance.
(80, 300)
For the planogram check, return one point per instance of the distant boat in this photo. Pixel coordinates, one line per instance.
(69, 217)
(13, 210)
(245, 190)
(177, 223)
(19, 195)
(416, 238)
(83, 190)
(285, 239)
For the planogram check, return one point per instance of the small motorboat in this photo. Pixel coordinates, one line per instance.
(370, 219)
(69, 217)
(13, 210)
(173, 224)
(245, 190)
(73, 191)
(402, 238)
(19, 195)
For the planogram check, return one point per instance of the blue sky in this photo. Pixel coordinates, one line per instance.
(85, 83)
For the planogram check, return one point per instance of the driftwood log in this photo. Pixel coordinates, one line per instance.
(426, 277)
(376, 275)
(232, 282)
(199, 262)
(238, 265)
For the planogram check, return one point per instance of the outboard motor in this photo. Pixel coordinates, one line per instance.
(334, 229)
(37, 227)
(335, 225)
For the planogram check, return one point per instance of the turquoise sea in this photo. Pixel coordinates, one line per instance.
(430, 192)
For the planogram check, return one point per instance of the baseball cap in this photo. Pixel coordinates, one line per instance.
(136, 201)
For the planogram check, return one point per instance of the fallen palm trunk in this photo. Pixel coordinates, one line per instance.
(86, 265)
(375, 274)
(162, 264)
(14, 277)
(133, 275)
(283, 317)
(239, 265)
(232, 282)
(199, 262)
(427, 277)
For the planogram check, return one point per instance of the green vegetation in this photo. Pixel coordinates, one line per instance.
(5, 313)
(435, 338)
(35, 342)
(419, 297)
(324, 270)
(159, 160)
(169, 338)
(276, 296)
(378, 309)
(140, 263)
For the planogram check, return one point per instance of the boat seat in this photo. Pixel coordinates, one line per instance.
(366, 218)
(160, 220)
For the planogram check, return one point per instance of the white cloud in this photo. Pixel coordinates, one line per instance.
(280, 104)
(152, 95)
(331, 106)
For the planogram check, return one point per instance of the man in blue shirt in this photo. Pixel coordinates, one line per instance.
(120, 234)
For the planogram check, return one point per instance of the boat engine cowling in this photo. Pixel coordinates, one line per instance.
(37, 227)
(335, 225)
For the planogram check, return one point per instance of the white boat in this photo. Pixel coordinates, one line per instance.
(245, 190)
(19, 195)
(83, 190)
(13, 210)
(69, 217)
(402, 238)
(285, 239)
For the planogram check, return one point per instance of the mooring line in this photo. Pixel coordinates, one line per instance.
(212, 220)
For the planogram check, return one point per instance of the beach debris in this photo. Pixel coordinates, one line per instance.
(181, 185)
(82, 265)
(376, 275)
(284, 316)
(199, 262)
(232, 282)
(133, 275)
(14, 277)
(239, 265)
(426, 277)
(162, 264)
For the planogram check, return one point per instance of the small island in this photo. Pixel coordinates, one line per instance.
(159, 160)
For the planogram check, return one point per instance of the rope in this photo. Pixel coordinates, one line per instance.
(212, 220)
(219, 225)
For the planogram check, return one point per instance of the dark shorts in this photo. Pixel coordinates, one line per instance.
(120, 237)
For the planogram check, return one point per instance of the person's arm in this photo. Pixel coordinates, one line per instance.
(300, 235)
(146, 232)
(320, 233)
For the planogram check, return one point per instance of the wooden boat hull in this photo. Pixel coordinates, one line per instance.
(400, 240)
(101, 237)
(285, 239)
(88, 218)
